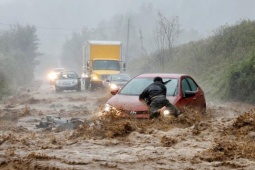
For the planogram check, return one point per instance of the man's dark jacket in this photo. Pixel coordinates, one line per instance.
(155, 89)
(155, 97)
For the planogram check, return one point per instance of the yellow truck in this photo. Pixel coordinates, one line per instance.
(100, 59)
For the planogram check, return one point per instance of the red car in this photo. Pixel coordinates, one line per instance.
(182, 91)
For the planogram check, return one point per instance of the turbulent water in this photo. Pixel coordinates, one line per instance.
(223, 138)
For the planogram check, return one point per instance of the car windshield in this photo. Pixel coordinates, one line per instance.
(120, 77)
(106, 65)
(137, 85)
(67, 76)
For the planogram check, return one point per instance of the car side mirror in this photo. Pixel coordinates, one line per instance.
(115, 91)
(189, 93)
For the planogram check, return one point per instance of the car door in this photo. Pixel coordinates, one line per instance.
(199, 95)
(188, 85)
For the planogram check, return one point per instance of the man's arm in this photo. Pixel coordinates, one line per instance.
(144, 94)
(141, 96)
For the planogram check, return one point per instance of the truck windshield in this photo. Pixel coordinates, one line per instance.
(106, 65)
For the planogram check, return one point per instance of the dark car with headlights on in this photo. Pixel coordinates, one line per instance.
(182, 91)
(68, 80)
(115, 81)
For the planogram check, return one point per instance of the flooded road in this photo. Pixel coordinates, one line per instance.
(223, 138)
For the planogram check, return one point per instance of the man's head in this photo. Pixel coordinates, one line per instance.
(158, 79)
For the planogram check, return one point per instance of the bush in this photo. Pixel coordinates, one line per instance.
(18, 53)
(241, 80)
(4, 90)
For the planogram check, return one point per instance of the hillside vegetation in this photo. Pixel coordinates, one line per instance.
(223, 64)
(18, 52)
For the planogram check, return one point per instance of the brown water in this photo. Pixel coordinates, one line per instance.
(221, 139)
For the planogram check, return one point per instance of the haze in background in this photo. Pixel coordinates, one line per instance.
(56, 20)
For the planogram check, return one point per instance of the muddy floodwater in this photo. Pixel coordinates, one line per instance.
(223, 138)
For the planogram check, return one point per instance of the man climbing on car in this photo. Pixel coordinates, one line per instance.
(155, 97)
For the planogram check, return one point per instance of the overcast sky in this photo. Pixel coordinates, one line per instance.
(72, 15)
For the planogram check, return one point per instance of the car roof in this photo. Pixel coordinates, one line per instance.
(167, 75)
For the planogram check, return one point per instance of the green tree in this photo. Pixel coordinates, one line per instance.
(241, 81)
(18, 52)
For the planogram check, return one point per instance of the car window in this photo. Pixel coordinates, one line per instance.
(67, 76)
(192, 84)
(137, 85)
(171, 87)
(185, 86)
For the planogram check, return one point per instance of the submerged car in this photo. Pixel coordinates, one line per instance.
(182, 91)
(53, 75)
(68, 80)
(115, 81)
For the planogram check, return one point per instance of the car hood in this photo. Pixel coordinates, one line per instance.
(66, 80)
(130, 103)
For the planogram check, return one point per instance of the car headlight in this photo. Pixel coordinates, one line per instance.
(95, 77)
(113, 86)
(107, 107)
(52, 76)
(166, 112)
(83, 75)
